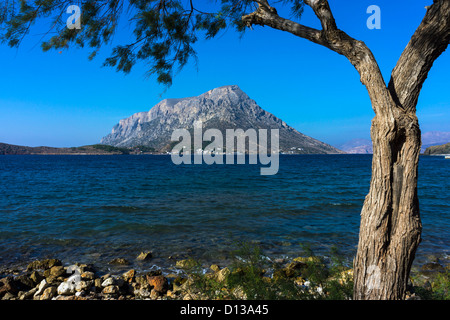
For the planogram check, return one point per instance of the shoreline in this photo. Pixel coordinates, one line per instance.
(52, 279)
(166, 262)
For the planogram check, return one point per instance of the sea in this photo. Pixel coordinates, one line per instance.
(93, 209)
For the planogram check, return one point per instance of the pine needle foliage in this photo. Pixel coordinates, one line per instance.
(163, 33)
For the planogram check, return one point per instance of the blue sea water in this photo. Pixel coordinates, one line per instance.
(92, 209)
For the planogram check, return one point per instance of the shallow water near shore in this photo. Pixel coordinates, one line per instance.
(92, 209)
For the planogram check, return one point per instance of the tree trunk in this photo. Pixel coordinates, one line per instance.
(390, 227)
(390, 221)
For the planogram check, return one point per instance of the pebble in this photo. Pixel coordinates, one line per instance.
(108, 282)
(42, 286)
(48, 293)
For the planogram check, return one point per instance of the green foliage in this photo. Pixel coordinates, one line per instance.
(201, 284)
(249, 269)
(164, 31)
(340, 282)
(438, 288)
(297, 7)
(253, 276)
(441, 286)
(108, 148)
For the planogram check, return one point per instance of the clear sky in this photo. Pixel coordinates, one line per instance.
(63, 99)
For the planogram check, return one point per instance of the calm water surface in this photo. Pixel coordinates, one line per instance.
(96, 208)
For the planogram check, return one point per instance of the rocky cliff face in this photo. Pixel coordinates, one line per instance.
(221, 108)
(441, 149)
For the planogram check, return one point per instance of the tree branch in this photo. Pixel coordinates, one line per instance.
(323, 12)
(267, 16)
(428, 42)
(333, 38)
(330, 36)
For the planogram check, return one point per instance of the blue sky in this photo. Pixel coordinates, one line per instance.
(63, 99)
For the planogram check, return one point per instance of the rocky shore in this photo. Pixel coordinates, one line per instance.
(49, 279)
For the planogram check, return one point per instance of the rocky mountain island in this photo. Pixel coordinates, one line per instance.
(222, 108)
(438, 150)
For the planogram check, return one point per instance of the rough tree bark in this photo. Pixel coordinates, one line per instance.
(390, 221)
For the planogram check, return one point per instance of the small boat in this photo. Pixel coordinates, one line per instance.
(447, 157)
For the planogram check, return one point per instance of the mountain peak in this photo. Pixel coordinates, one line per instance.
(231, 91)
(226, 107)
(233, 87)
(216, 93)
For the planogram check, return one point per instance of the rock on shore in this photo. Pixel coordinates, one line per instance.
(49, 279)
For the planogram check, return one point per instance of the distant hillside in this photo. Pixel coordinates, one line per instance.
(96, 149)
(364, 146)
(360, 146)
(442, 149)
